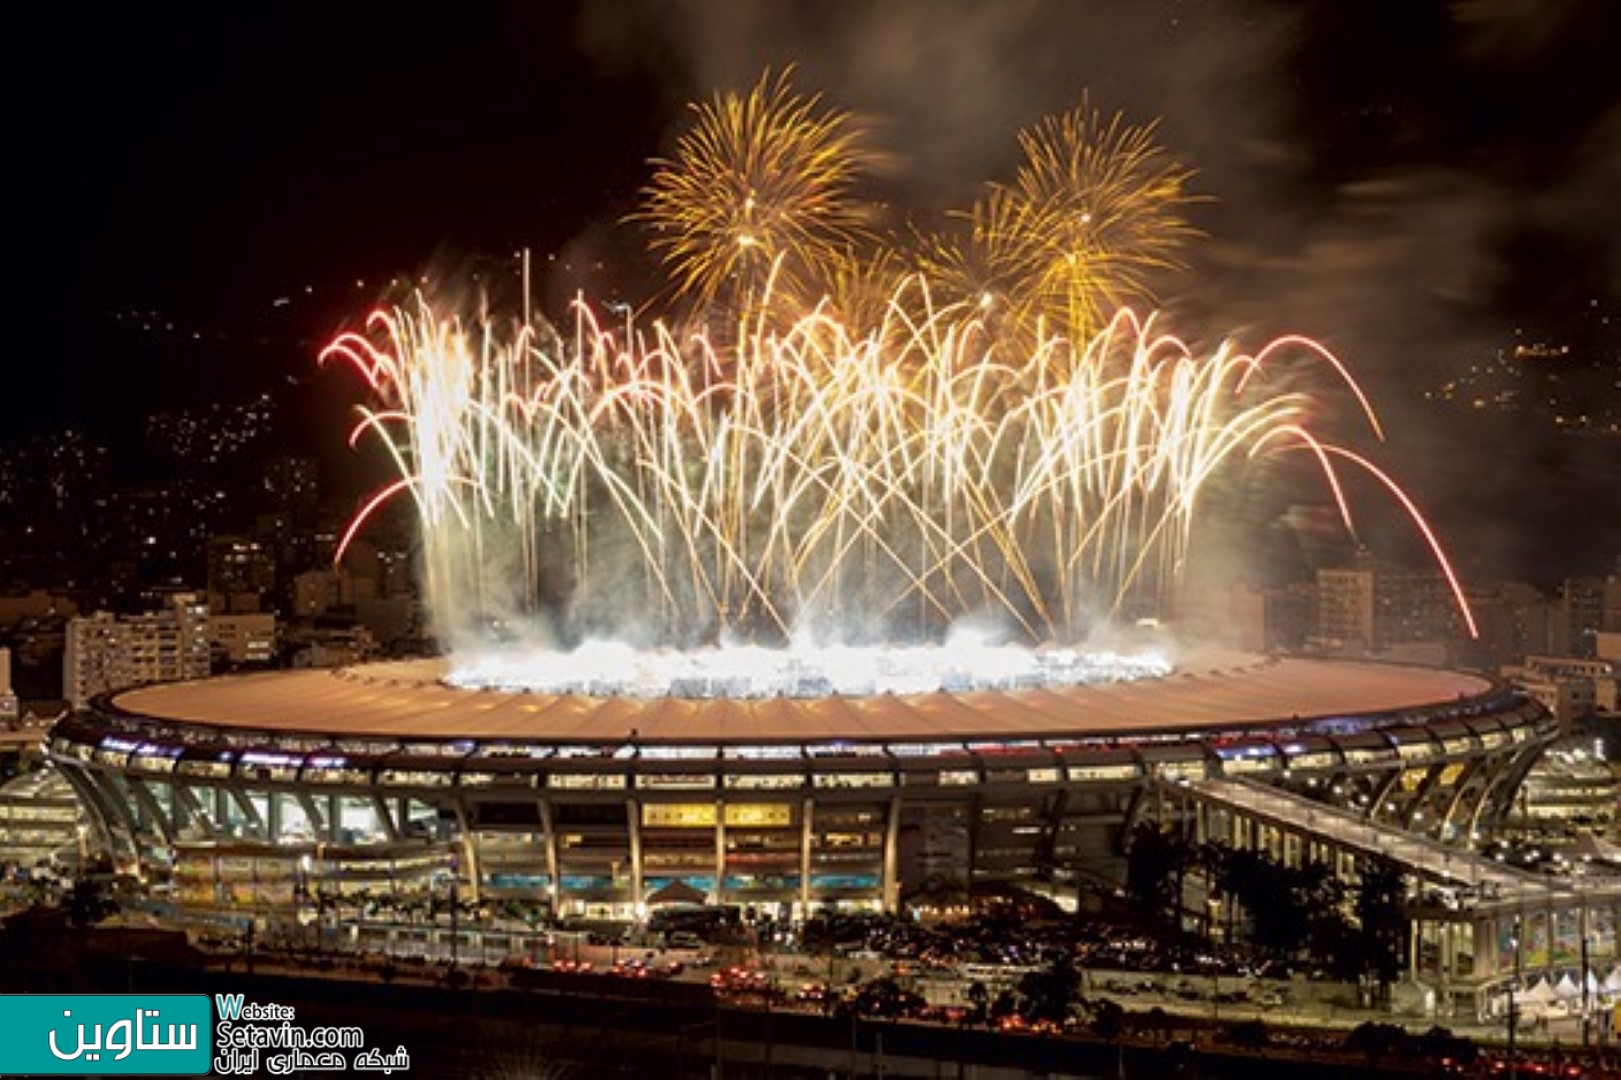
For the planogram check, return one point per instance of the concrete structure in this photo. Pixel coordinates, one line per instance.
(1572, 791)
(592, 804)
(1373, 607)
(1578, 616)
(1569, 687)
(105, 652)
(243, 640)
(10, 709)
(241, 575)
(41, 821)
(1476, 924)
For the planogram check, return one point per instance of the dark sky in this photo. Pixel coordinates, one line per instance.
(208, 160)
(1409, 180)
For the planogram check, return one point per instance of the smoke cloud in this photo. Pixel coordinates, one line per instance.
(1403, 259)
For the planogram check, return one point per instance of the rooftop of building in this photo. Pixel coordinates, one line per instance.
(408, 700)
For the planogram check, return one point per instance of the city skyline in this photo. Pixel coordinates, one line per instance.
(1078, 533)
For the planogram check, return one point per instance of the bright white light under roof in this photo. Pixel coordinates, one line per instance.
(966, 662)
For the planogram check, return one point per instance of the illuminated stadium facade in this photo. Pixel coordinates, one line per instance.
(254, 790)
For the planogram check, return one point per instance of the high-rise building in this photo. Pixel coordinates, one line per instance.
(9, 710)
(241, 575)
(1580, 616)
(1374, 606)
(243, 640)
(107, 652)
(1513, 618)
(1345, 607)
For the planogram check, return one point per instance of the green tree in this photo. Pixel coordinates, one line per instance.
(1156, 861)
(1383, 923)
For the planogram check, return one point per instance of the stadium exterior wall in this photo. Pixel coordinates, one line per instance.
(262, 815)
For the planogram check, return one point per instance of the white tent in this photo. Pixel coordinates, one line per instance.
(1541, 993)
(1566, 989)
(1613, 983)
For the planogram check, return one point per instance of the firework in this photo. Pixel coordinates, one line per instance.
(855, 454)
(877, 486)
(757, 197)
(1096, 208)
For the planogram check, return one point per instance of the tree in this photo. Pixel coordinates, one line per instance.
(1108, 1019)
(1440, 1044)
(979, 997)
(1378, 1040)
(884, 998)
(89, 901)
(1048, 993)
(1155, 863)
(1382, 922)
(1290, 909)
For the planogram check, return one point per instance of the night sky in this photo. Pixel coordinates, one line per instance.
(1410, 180)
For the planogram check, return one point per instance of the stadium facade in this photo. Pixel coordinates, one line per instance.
(255, 790)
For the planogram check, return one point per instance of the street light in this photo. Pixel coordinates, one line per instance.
(301, 905)
(1513, 1016)
(455, 928)
(1587, 1011)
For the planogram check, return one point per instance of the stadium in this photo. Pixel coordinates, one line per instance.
(252, 791)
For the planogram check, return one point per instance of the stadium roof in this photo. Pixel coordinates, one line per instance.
(406, 700)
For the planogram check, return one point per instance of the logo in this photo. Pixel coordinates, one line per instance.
(106, 1034)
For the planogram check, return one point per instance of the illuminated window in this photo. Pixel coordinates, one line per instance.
(764, 781)
(678, 815)
(415, 777)
(676, 781)
(585, 780)
(853, 780)
(844, 839)
(758, 815)
(1103, 772)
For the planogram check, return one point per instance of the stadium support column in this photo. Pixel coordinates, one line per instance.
(554, 886)
(806, 835)
(469, 849)
(720, 851)
(196, 816)
(104, 820)
(891, 880)
(149, 806)
(633, 822)
(244, 805)
(321, 826)
(391, 828)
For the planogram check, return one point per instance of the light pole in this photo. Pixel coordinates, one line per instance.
(1513, 984)
(455, 928)
(1587, 1012)
(301, 902)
